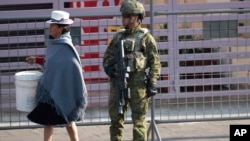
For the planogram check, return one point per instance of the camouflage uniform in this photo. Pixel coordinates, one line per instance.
(147, 57)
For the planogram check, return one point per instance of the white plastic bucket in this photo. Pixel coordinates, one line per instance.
(26, 83)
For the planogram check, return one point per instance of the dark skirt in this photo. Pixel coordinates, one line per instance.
(45, 114)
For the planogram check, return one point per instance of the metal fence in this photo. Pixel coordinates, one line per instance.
(204, 52)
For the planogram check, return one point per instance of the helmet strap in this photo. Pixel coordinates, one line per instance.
(140, 21)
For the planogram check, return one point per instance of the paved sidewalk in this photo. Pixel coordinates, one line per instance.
(185, 131)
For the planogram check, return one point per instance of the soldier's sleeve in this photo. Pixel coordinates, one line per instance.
(153, 58)
(109, 52)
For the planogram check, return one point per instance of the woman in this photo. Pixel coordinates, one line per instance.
(61, 93)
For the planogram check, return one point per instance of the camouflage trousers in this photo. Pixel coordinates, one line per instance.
(138, 110)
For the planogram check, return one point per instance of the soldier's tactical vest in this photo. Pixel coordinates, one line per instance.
(134, 47)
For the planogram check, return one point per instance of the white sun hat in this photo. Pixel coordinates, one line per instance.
(60, 17)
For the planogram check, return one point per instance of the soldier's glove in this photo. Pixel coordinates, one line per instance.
(151, 89)
(111, 71)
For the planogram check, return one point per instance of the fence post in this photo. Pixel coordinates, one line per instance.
(152, 126)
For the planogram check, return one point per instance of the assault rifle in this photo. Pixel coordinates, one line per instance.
(122, 91)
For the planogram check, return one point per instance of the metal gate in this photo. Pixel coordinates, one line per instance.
(203, 46)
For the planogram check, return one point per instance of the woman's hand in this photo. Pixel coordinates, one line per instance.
(31, 60)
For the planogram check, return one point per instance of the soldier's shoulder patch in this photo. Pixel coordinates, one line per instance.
(144, 30)
(121, 30)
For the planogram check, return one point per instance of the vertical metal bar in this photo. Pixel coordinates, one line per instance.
(152, 99)
(153, 125)
(1, 103)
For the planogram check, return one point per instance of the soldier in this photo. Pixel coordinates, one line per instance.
(141, 53)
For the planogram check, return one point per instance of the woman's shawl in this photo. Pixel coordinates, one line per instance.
(62, 84)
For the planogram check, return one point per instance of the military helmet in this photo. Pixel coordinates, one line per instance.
(133, 7)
